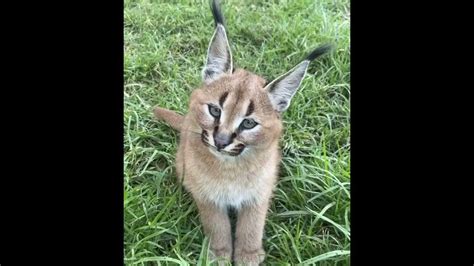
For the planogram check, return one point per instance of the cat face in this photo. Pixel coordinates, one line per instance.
(235, 114)
(236, 110)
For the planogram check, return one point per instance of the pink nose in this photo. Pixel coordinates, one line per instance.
(222, 140)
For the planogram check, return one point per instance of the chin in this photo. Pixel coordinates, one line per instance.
(226, 155)
(220, 155)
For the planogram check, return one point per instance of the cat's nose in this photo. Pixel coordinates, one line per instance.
(222, 140)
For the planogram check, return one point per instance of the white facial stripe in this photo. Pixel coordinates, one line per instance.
(210, 139)
(232, 145)
(237, 123)
(222, 118)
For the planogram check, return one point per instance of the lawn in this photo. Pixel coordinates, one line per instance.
(165, 48)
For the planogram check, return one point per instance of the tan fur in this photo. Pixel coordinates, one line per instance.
(172, 118)
(217, 181)
(223, 160)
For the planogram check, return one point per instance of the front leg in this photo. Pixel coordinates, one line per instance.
(217, 227)
(249, 233)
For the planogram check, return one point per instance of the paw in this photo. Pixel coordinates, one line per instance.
(221, 256)
(249, 258)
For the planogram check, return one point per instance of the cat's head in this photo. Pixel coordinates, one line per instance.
(237, 110)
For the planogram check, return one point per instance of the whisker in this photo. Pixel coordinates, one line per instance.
(197, 133)
(204, 137)
(209, 145)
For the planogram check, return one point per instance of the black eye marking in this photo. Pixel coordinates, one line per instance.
(222, 98)
(237, 150)
(282, 103)
(204, 137)
(250, 109)
(248, 124)
(214, 111)
(209, 73)
(214, 133)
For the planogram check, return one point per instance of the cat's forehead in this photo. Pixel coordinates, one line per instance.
(241, 82)
(239, 94)
(246, 79)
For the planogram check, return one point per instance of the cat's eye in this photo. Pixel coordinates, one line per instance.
(248, 124)
(215, 112)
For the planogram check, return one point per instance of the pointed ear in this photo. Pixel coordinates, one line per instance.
(219, 56)
(282, 89)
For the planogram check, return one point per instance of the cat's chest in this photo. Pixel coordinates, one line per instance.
(234, 187)
(233, 193)
(230, 182)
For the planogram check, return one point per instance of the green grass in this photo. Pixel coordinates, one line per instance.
(165, 46)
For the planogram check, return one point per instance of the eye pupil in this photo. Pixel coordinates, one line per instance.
(216, 112)
(248, 124)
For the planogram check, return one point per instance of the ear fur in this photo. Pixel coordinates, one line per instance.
(282, 89)
(219, 56)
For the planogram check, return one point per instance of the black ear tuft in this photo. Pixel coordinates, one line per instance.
(319, 51)
(219, 55)
(216, 12)
(282, 89)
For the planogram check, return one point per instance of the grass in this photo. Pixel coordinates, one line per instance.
(165, 45)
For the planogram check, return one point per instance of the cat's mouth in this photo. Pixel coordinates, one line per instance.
(236, 151)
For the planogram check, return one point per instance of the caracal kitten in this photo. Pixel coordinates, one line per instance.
(229, 153)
